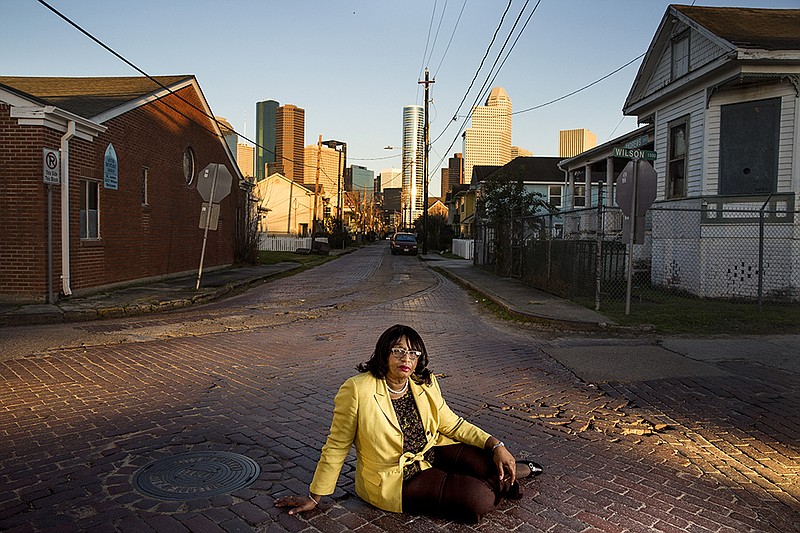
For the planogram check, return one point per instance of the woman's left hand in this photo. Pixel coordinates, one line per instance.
(506, 466)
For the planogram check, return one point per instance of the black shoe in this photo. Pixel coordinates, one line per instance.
(535, 469)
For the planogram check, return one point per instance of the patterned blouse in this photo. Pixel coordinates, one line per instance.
(413, 432)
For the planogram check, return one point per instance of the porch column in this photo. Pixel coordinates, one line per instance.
(611, 190)
(587, 170)
(569, 192)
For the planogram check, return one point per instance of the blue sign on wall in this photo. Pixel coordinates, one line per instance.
(110, 168)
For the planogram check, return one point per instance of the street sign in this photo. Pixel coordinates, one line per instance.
(645, 188)
(213, 184)
(635, 153)
(206, 185)
(206, 221)
(636, 190)
(51, 166)
(637, 142)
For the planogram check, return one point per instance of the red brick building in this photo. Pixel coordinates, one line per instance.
(127, 206)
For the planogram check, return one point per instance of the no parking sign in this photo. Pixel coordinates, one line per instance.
(51, 166)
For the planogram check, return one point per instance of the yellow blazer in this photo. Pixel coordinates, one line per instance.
(363, 415)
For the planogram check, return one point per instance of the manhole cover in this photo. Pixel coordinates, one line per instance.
(196, 475)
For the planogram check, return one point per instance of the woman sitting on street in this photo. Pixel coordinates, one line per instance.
(413, 453)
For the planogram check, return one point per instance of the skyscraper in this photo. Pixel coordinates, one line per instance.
(413, 162)
(329, 169)
(244, 159)
(290, 128)
(265, 136)
(455, 174)
(488, 140)
(516, 152)
(573, 142)
(361, 179)
(391, 178)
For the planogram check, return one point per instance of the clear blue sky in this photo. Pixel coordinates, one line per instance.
(353, 64)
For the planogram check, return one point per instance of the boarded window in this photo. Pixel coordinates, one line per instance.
(680, 55)
(748, 147)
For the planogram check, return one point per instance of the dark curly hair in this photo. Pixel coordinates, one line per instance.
(378, 364)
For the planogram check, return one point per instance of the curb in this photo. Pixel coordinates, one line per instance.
(555, 323)
(135, 308)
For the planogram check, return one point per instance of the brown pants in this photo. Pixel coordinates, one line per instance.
(462, 485)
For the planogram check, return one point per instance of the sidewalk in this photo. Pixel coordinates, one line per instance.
(519, 299)
(154, 297)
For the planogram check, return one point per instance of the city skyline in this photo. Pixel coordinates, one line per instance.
(566, 46)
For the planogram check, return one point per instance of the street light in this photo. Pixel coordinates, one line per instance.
(341, 147)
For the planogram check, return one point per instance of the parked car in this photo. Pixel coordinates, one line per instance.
(403, 243)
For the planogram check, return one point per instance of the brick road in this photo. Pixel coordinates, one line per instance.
(711, 454)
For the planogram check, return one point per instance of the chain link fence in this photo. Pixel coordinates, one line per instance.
(736, 249)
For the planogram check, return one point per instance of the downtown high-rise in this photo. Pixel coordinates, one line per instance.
(413, 163)
(290, 128)
(265, 149)
(574, 142)
(488, 140)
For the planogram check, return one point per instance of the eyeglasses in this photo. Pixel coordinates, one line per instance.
(399, 353)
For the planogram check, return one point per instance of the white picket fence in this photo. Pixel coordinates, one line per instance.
(281, 243)
(464, 248)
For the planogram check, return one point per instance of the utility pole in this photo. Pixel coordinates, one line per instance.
(316, 186)
(427, 82)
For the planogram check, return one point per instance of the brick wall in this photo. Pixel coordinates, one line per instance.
(136, 241)
(23, 208)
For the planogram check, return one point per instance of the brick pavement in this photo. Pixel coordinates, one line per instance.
(717, 454)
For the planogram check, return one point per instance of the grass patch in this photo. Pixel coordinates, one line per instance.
(664, 313)
(270, 258)
(673, 314)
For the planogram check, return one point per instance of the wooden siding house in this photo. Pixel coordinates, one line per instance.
(720, 87)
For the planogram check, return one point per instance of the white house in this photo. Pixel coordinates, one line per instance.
(286, 207)
(720, 86)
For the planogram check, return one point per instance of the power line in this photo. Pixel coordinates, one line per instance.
(170, 91)
(452, 34)
(475, 77)
(595, 82)
(438, 28)
(483, 85)
(488, 81)
(427, 42)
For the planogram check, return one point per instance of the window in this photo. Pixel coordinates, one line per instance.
(680, 55)
(90, 219)
(580, 196)
(145, 172)
(678, 160)
(749, 146)
(188, 165)
(555, 195)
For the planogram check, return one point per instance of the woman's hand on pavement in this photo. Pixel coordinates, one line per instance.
(506, 466)
(298, 504)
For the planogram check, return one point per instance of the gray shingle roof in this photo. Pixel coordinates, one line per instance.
(88, 97)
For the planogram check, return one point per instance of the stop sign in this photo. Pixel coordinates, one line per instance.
(647, 178)
(205, 182)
